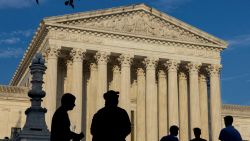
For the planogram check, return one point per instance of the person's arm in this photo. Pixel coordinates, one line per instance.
(127, 124)
(222, 135)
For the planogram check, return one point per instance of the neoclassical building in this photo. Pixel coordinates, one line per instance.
(167, 72)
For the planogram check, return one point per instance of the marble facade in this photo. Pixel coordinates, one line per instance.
(167, 72)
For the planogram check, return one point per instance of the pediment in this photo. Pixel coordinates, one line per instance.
(140, 21)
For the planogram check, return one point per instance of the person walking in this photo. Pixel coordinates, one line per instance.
(173, 134)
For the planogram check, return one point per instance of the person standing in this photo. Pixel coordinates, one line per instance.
(197, 134)
(110, 123)
(173, 134)
(60, 127)
(229, 133)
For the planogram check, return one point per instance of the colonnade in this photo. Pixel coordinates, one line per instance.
(169, 92)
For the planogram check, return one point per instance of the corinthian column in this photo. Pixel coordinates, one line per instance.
(102, 60)
(162, 103)
(116, 82)
(193, 69)
(124, 98)
(215, 101)
(51, 86)
(183, 103)
(91, 98)
(140, 107)
(77, 74)
(173, 113)
(204, 106)
(151, 100)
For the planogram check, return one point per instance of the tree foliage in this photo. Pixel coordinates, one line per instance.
(67, 3)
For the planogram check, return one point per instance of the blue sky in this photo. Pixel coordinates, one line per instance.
(226, 19)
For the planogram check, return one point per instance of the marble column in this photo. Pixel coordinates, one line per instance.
(102, 60)
(141, 106)
(91, 98)
(116, 82)
(215, 101)
(77, 88)
(204, 106)
(162, 103)
(51, 86)
(124, 98)
(183, 103)
(194, 104)
(68, 82)
(151, 100)
(173, 105)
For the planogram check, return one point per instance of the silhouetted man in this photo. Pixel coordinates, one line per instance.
(197, 134)
(173, 134)
(110, 123)
(60, 127)
(229, 133)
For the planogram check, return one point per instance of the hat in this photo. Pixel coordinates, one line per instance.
(111, 94)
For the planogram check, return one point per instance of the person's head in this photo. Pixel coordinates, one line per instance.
(174, 130)
(228, 120)
(197, 132)
(68, 101)
(111, 98)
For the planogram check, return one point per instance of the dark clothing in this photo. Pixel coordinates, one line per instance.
(110, 124)
(60, 127)
(230, 134)
(198, 139)
(169, 138)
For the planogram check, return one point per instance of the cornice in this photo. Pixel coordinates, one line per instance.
(235, 110)
(10, 92)
(132, 8)
(29, 53)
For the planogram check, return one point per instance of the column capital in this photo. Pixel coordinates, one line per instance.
(125, 59)
(203, 77)
(150, 62)
(162, 74)
(172, 65)
(214, 69)
(140, 72)
(93, 66)
(102, 57)
(116, 69)
(182, 76)
(193, 67)
(53, 52)
(78, 55)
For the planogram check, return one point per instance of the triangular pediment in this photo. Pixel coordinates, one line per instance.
(138, 20)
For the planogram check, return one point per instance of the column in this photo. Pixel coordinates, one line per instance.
(68, 82)
(124, 98)
(204, 106)
(215, 101)
(141, 106)
(183, 103)
(77, 87)
(116, 82)
(173, 112)
(162, 103)
(91, 99)
(51, 86)
(151, 100)
(102, 60)
(193, 69)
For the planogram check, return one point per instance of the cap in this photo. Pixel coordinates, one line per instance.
(111, 94)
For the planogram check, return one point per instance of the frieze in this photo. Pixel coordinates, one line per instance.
(140, 23)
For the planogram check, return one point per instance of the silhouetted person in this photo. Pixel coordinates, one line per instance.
(229, 133)
(60, 127)
(173, 134)
(110, 123)
(197, 134)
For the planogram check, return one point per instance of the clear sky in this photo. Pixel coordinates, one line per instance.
(226, 19)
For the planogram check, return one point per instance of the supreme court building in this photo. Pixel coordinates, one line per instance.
(167, 72)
